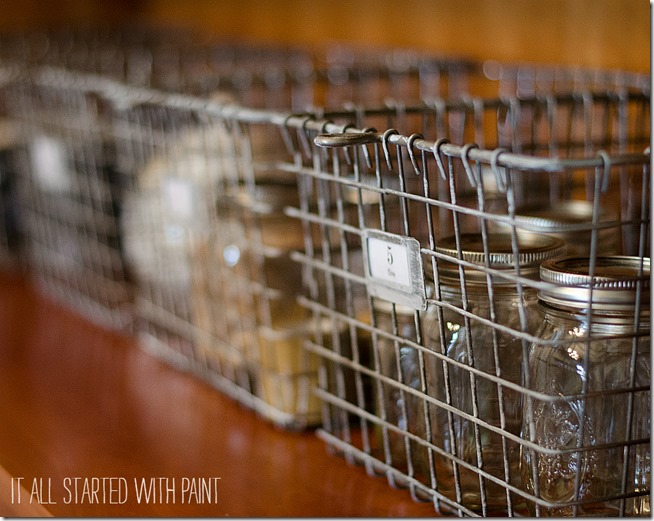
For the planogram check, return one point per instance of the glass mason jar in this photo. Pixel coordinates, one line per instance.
(472, 334)
(246, 279)
(590, 418)
(394, 403)
(246, 298)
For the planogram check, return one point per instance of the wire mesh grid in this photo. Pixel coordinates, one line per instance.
(204, 226)
(10, 143)
(131, 197)
(186, 200)
(70, 157)
(68, 191)
(442, 370)
(205, 234)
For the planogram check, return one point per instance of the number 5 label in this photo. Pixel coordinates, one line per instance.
(394, 268)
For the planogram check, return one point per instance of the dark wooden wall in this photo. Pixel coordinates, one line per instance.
(595, 33)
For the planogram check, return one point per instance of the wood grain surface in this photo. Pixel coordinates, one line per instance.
(592, 33)
(80, 405)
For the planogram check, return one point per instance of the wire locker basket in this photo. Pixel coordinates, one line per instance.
(185, 200)
(68, 194)
(435, 280)
(206, 237)
(164, 212)
(10, 145)
(70, 190)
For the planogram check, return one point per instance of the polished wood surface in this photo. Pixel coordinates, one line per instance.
(77, 401)
(14, 508)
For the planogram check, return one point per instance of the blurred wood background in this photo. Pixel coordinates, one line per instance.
(594, 33)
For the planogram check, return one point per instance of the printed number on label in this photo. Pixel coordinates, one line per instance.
(394, 268)
(389, 262)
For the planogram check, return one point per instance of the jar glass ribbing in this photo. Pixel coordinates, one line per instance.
(480, 356)
(590, 421)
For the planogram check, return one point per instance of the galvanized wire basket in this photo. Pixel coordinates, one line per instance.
(441, 370)
(68, 194)
(205, 236)
(179, 211)
(10, 144)
(208, 235)
(161, 213)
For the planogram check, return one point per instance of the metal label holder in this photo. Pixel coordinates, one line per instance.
(393, 268)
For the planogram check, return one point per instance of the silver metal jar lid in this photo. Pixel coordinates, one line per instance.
(565, 216)
(532, 250)
(269, 196)
(614, 284)
(265, 198)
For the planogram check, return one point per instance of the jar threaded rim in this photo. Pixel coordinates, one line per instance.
(615, 282)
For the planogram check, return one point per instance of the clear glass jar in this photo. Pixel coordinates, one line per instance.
(394, 403)
(475, 341)
(591, 370)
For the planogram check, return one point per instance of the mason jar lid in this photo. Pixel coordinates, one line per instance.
(562, 217)
(266, 197)
(532, 250)
(302, 328)
(614, 284)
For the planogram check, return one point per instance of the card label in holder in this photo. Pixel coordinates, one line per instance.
(48, 161)
(181, 197)
(393, 268)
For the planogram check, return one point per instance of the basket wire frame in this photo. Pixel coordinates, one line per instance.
(10, 145)
(202, 204)
(208, 241)
(586, 148)
(68, 190)
(239, 152)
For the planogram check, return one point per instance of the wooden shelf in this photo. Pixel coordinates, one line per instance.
(77, 401)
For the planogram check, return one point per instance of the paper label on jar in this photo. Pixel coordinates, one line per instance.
(393, 268)
(48, 158)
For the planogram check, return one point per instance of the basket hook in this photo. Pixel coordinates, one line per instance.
(304, 135)
(286, 135)
(438, 156)
(366, 152)
(410, 150)
(606, 174)
(465, 158)
(500, 173)
(346, 151)
(385, 137)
